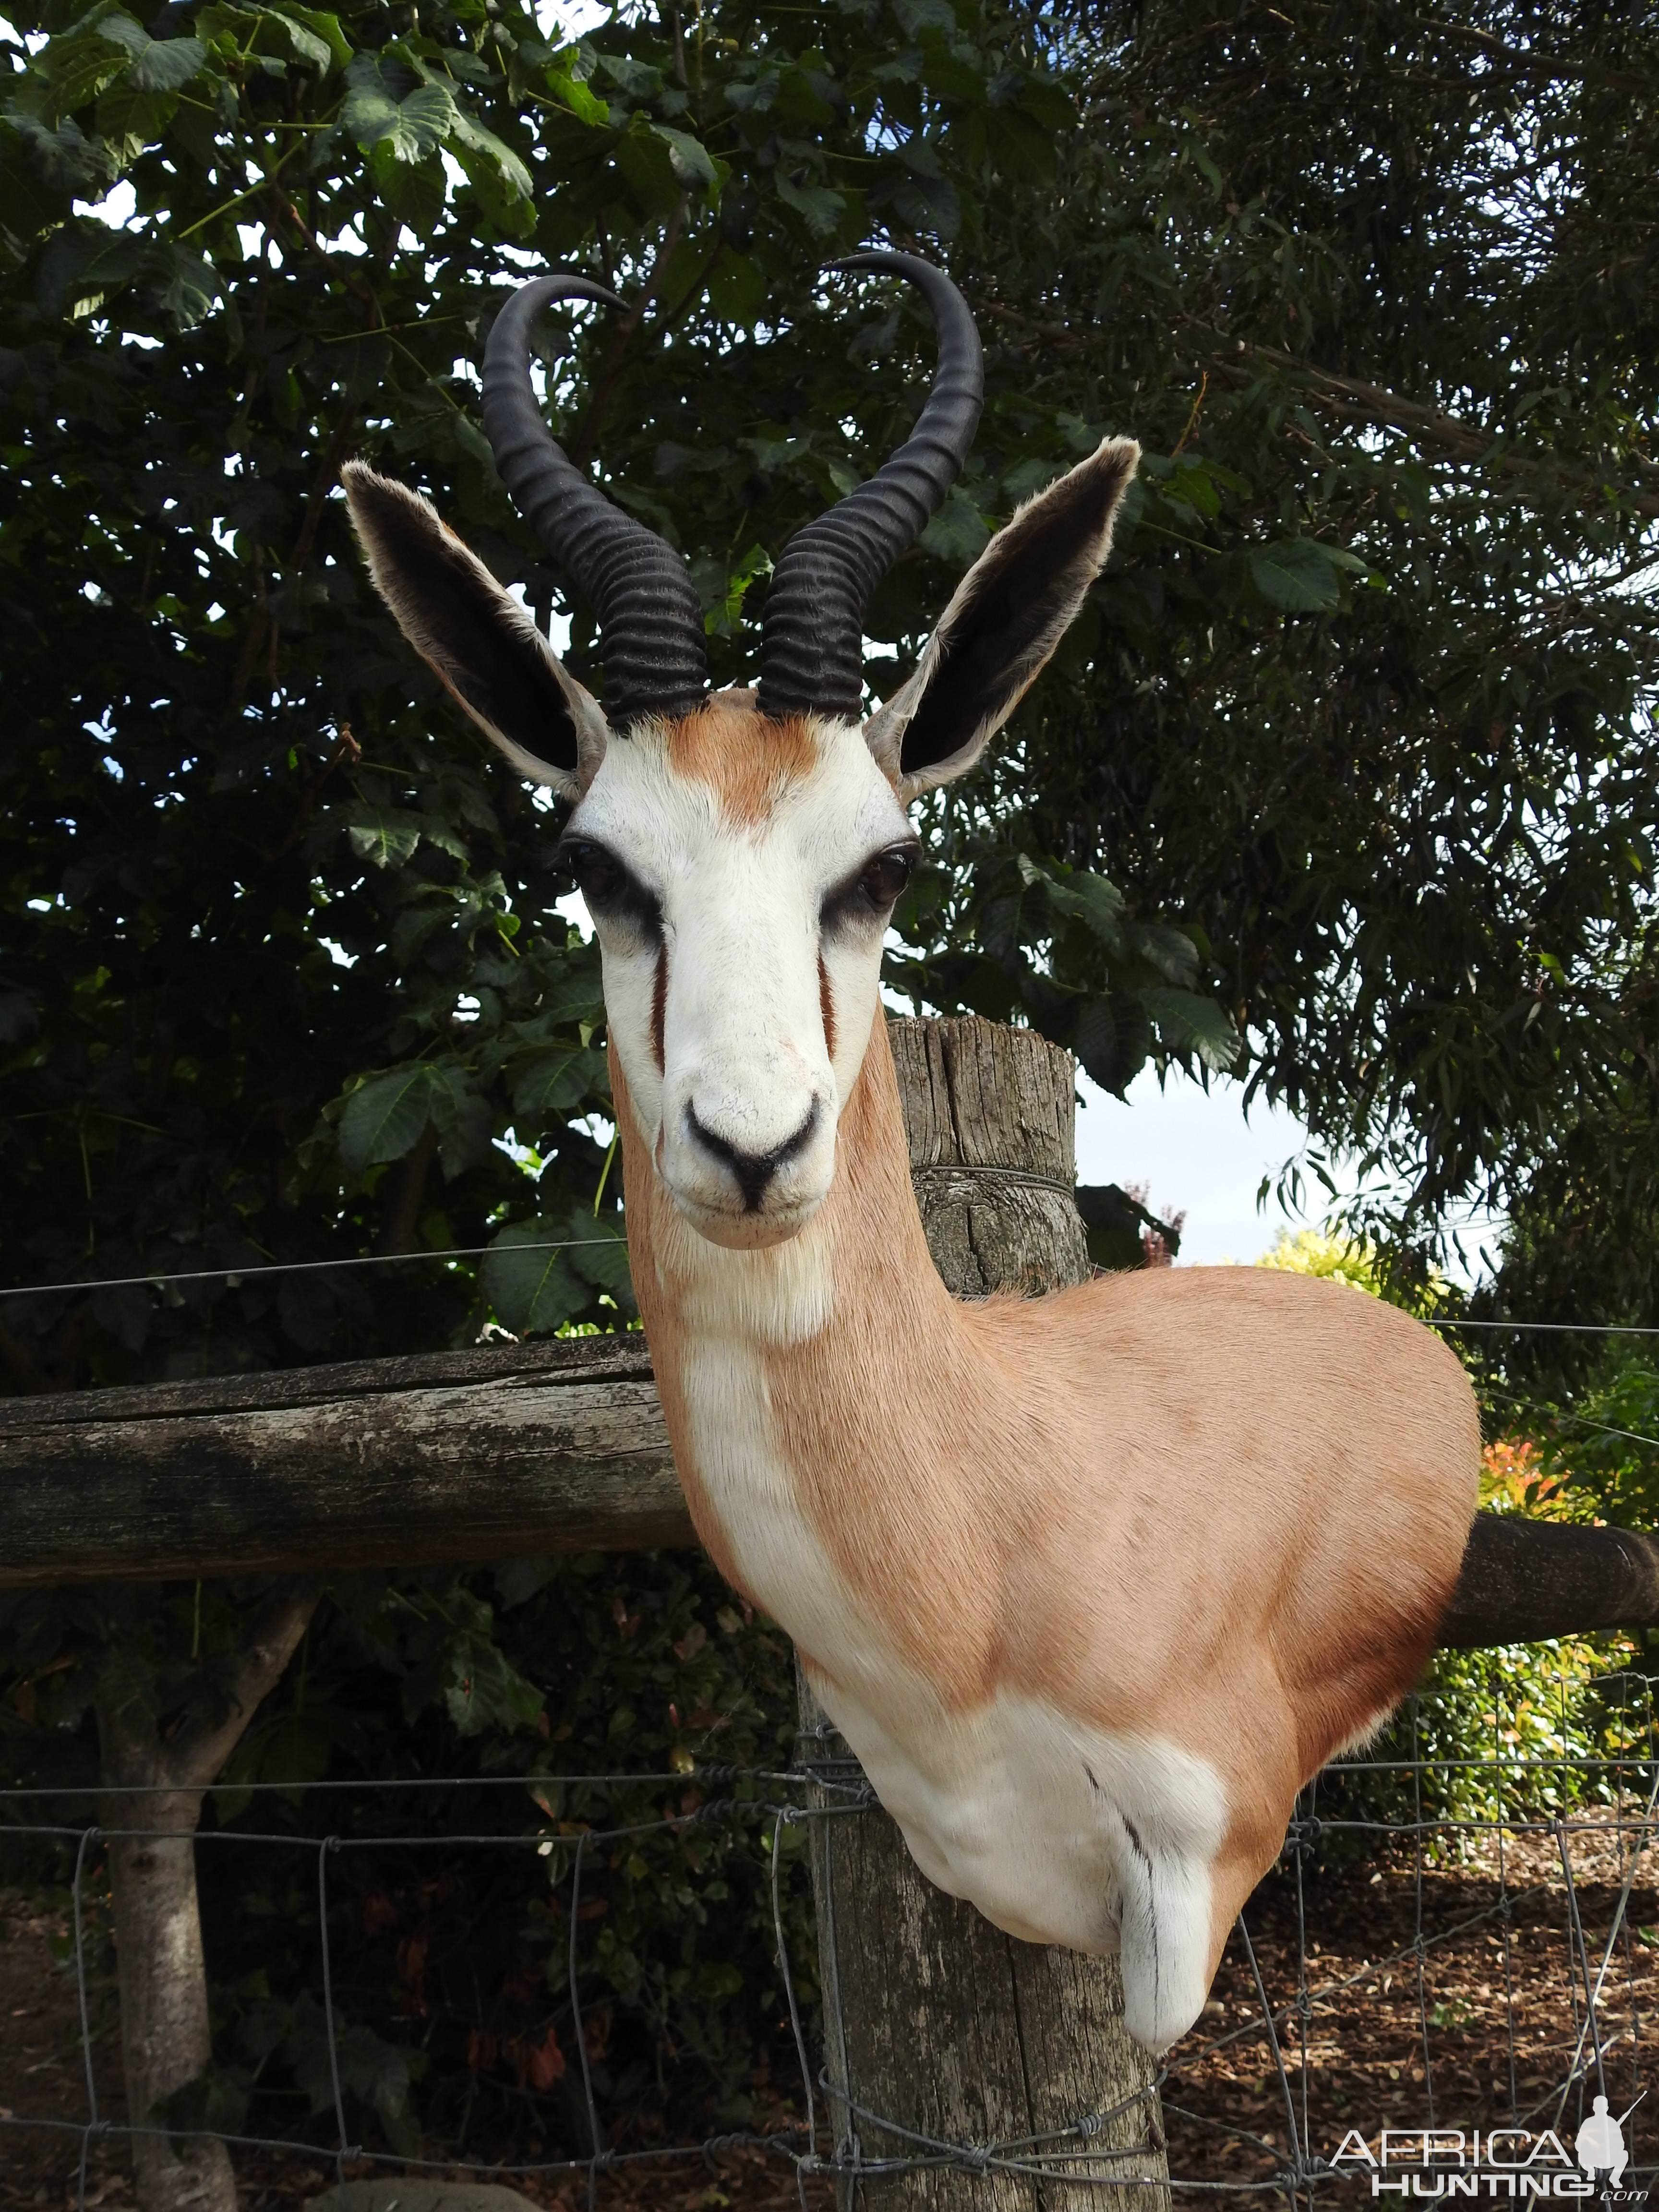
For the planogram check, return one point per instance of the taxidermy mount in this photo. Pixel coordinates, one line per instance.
(1092, 1584)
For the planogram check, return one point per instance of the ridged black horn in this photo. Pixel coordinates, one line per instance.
(812, 634)
(651, 634)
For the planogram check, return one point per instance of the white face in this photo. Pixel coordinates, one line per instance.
(741, 899)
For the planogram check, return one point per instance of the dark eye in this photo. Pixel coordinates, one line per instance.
(869, 894)
(886, 877)
(614, 893)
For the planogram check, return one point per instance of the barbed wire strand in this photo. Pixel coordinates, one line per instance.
(235, 1273)
(1071, 2156)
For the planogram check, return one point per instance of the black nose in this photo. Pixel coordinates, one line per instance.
(754, 1170)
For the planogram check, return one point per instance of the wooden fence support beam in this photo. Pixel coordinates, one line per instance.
(492, 1454)
(934, 2018)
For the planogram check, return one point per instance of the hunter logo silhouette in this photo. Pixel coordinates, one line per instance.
(1600, 2143)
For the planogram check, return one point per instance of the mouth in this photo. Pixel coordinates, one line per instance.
(737, 1194)
(741, 1228)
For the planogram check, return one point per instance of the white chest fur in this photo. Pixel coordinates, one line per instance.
(1057, 1832)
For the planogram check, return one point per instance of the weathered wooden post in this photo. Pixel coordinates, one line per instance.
(932, 2018)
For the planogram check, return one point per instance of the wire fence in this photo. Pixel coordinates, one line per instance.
(1459, 1946)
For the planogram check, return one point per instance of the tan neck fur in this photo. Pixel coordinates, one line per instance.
(875, 1384)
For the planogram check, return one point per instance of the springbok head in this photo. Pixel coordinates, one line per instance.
(740, 854)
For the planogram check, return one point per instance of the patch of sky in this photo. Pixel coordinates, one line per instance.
(523, 1157)
(1202, 1152)
(561, 20)
(117, 207)
(558, 623)
(337, 953)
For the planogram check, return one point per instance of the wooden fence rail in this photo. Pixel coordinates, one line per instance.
(506, 1451)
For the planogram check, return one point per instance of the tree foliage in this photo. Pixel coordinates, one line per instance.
(1345, 779)
(1376, 287)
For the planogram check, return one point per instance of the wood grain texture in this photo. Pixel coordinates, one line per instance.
(934, 2018)
(492, 1454)
(974, 1101)
(1521, 1581)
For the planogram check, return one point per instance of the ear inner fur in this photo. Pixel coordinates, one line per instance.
(1018, 602)
(482, 647)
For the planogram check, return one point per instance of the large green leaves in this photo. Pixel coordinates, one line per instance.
(538, 1273)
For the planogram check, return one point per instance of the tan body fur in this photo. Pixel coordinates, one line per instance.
(1220, 1509)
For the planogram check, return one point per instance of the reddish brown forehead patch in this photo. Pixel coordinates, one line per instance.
(745, 760)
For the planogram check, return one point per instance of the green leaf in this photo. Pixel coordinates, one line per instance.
(77, 69)
(555, 1083)
(1194, 1024)
(384, 1117)
(472, 144)
(819, 208)
(578, 98)
(41, 168)
(958, 533)
(1296, 576)
(413, 193)
(601, 1258)
(314, 36)
(427, 118)
(153, 65)
(370, 111)
(190, 284)
(1094, 1040)
(414, 125)
(928, 204)
(916, 16)
(689, 158)
(130, 120)
(532, 1291)
(737, 289)
(638, 80)
(647, 169)
(386, 836)
(166, 64)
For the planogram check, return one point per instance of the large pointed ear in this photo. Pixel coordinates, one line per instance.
(1009, 613)
(484, 646)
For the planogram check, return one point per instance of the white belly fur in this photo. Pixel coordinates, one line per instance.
(1056, 1832)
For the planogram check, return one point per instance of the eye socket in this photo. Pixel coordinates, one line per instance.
(868, 894)
(613, 892)
(883, 878)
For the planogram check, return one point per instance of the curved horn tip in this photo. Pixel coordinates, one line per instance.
(883, 256)
(650, 618)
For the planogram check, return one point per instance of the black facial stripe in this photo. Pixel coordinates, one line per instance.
(612, 890)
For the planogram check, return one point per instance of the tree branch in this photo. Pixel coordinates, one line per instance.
(623, 337)
(1351, 399)
(196, 1753)
(397, 1227)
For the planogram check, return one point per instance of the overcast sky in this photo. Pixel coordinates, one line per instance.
(1197, 1151)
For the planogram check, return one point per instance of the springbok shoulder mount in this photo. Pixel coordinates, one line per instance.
(1092, 1584)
